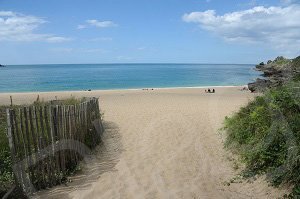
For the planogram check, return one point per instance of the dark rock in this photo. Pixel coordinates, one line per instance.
(276, 73)
(259, 85)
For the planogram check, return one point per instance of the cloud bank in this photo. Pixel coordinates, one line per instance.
(275, 26)
(19, 27)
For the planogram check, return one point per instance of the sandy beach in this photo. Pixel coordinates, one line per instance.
(161, 143)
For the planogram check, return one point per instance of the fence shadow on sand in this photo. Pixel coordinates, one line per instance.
(103, 159)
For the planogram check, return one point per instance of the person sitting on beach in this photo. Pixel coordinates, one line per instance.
(205, 90)
(213, 91)
(209, 90)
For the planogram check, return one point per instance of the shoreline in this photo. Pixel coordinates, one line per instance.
(125, 89)
(29, 97)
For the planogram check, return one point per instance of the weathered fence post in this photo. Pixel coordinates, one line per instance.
(11, 101)
(37, 139)
(11, 141)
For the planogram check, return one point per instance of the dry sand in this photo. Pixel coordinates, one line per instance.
(162, 143)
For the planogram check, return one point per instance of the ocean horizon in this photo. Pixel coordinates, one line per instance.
(78, 77)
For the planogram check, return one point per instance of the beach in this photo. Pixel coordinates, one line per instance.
(160, 143)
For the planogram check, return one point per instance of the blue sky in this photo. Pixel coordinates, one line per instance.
(147, 31)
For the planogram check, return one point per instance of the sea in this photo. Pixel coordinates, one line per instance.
(78, 77)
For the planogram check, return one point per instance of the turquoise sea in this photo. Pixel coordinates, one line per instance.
(61, 77)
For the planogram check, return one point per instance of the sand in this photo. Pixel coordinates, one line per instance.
(161, 143)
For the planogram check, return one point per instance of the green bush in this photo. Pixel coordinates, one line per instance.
(6, 176)
(296, 62)
(281, 60)
(266, 134)
(3, 138)
(296, 68)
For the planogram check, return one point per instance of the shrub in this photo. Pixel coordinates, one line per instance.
(6, 176)
(296, 68)
(266, 135)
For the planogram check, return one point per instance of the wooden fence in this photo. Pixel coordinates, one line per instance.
(47, 142)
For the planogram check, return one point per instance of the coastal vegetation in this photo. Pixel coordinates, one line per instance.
(266, 133)
(6, 174)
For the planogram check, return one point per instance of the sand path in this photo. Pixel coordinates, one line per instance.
(168, 146)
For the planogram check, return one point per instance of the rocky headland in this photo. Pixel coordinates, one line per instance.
(276, 73)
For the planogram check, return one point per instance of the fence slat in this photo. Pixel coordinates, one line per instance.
(24, 157)
(12, 141)
(56, 132)
(72, 129)
(75, 129)
(41, 165)
(35, 146)
(53, 125)
(49, 143)
(47, 174)
(61, 137)
(18, 148)
(28, 144)
(36, 132)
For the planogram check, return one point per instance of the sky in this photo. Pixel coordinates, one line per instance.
(148, 31)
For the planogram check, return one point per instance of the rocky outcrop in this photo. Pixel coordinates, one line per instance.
(259, 85)
(275, 73)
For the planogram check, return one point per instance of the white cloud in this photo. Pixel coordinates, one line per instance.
(276, 26)
(57, 39)
(97, 23)
(101, 24)
(141, 48)
(6, 14)
(19, 27)
(81, 26)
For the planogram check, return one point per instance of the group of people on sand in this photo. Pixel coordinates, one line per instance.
(210, 91)
(244, 89)
(146, 89)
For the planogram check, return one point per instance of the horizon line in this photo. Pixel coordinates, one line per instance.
(127, 63)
